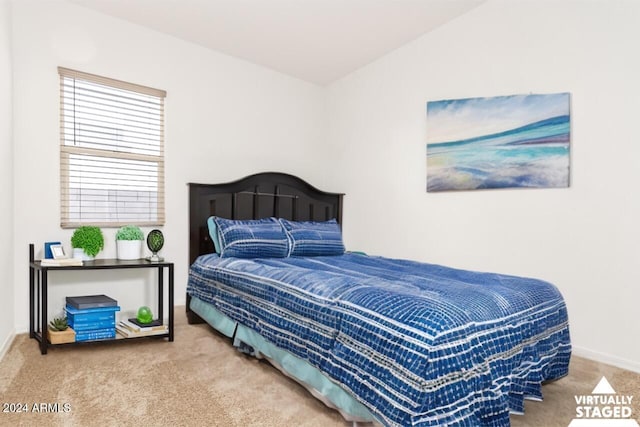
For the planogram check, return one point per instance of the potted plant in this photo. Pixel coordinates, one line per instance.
(87, 241)
(59, 331)
(129, 242)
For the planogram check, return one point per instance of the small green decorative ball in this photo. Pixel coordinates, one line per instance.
(145, 315)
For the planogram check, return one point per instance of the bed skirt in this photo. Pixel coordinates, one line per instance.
(318, 384)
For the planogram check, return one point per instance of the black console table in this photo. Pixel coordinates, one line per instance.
(38, 284)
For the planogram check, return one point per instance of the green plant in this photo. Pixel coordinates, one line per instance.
(129, 232)
(89, 238)
(59, 324)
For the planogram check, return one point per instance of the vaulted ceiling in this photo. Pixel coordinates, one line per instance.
(318, 41)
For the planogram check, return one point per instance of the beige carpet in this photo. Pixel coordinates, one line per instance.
(201, 380)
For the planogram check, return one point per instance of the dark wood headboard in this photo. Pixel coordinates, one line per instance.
(263, 195)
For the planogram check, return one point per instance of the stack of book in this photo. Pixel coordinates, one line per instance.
(133, 328)
(93, 317)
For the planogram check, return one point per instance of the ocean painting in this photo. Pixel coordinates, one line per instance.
(498, 142)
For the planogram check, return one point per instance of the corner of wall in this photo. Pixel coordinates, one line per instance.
(7, 309)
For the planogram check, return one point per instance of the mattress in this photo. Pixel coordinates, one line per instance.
(415, 343)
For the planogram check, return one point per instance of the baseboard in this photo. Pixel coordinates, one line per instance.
(606, 358)
(7, 343)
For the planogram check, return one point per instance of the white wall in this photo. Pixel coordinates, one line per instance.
(585, 239)
(225, 118)
(6, 179)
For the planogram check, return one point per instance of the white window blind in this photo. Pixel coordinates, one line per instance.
(111, 152)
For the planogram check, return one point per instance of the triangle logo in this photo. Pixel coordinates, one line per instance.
(603, 387)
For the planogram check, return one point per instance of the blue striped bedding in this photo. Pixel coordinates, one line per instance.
(418, 344)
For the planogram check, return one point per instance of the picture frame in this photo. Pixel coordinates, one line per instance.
(58, 252)
(499, 142)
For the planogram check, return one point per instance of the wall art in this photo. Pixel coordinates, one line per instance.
(498, 142)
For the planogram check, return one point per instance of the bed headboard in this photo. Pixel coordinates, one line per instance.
(263, 195)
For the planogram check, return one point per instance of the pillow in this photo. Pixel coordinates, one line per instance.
(311, 238)
(253, 238)
(213, 232)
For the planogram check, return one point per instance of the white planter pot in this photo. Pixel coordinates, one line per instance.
(129, 249)
(79, 253)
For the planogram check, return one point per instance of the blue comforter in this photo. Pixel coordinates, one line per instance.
(418, 344)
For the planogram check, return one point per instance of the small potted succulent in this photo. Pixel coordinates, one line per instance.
(129, 242)
(59, 331)
(87, 241)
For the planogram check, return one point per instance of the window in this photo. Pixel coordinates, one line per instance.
(111, 152)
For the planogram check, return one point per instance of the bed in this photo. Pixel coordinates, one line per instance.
(390, 341)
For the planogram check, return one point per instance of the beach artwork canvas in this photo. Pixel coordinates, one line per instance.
(498, 142)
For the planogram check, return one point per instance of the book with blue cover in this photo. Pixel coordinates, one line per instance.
(72, 310)
(92, 326)
(91, 301)
(91, 318)
(101, 316)
(98, 334)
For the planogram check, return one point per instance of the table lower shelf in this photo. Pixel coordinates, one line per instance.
(38, 337)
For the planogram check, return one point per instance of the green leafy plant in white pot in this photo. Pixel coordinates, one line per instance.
(129, 242)
(87, 241)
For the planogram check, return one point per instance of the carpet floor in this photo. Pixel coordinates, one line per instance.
(199, 379)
